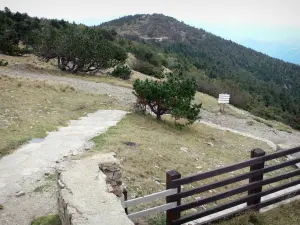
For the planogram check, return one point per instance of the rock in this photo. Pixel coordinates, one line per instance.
(20, 193)
(250, 123)
(199, 167)
(1, 207)
(210, 144)
(61, 184)
(201, 208)
(184, 149)
(280, 147)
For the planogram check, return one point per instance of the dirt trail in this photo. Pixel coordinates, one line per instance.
(257, 129)
(123, 95)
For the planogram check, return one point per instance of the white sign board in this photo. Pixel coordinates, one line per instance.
(224, 99)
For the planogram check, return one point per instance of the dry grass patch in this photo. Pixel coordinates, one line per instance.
(160, 147)
(28, 109)
(287, 214)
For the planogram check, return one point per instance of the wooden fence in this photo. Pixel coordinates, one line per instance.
(174, 194)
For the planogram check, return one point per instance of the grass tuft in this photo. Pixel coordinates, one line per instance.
(47, 220)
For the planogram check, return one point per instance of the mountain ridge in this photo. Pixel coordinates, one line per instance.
(266, 86)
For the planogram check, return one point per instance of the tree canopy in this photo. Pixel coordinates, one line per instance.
(174, 96)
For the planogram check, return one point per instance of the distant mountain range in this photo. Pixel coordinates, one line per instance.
(288, 50)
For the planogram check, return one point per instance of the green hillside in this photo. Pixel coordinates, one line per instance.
(264, 85)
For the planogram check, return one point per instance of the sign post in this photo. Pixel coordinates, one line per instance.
(223, 99)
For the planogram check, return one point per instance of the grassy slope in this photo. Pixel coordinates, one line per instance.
(31, 108)
(158, 150)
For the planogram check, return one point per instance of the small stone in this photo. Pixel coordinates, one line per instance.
(210, 144)
(61, 184)
(199, 167)
(156, 166)
(20, 193)
(194, 210)
(184, 149)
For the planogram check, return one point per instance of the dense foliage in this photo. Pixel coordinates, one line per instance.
(78, 48)
(175, 96)
(265, 86)
(150, 60)
(123, 72)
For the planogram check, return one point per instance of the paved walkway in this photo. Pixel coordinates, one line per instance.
(24, 170)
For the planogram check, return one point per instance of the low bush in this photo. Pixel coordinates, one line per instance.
(148, 69)
(3, 62)
(123, 72)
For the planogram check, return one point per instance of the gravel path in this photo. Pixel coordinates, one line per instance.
(122, 94)
(258, 129)
(26, 191)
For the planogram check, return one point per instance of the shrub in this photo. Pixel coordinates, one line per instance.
(3, 62)
(123, 72)
(47, 220)
(148, 69)
(175, 96)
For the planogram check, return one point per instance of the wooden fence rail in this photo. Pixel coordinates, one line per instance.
(174, 194)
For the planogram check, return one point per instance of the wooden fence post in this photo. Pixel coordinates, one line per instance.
(170, 176)
(254, 154)
(125, 193)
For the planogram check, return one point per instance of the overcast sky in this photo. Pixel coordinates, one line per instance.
(253, 19)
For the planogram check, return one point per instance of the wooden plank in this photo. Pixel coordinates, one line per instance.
(227, 169)
(235, 191)
(153, 210)
(231, 204)
(231, 180)
(149, 198)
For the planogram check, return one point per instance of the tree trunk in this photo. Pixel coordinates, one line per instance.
(158, 117)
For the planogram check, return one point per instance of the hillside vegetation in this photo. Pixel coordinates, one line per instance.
(265, 86)
(77, 48)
